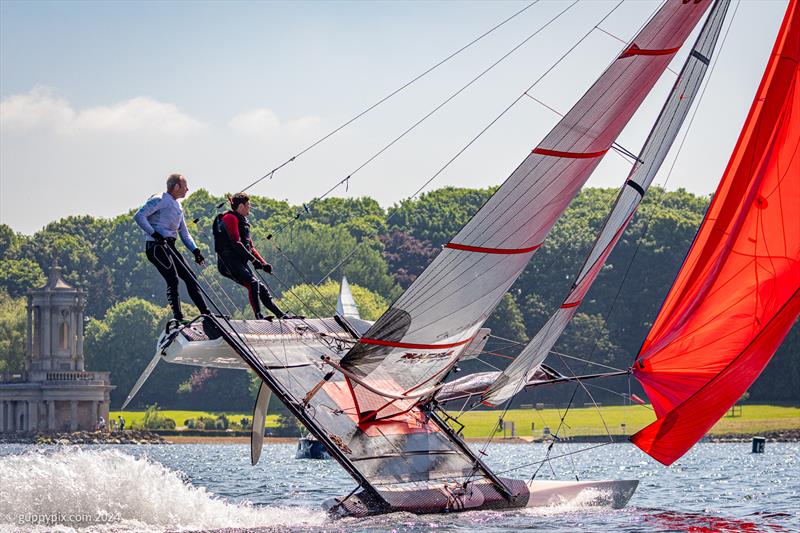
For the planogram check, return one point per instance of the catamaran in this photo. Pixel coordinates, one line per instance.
(373, 393)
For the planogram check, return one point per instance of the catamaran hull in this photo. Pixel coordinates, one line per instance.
(484, 496)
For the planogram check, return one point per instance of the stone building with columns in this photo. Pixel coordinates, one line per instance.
(55, 392)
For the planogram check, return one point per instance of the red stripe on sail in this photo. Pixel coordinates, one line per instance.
(571, 155)
(634, 50)
(414, 346)
(481, 249)
(571, 304)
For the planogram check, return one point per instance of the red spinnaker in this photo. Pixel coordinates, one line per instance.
(738, 291)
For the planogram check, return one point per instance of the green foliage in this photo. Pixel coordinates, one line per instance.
(407, 256)
(506, 321)
(438, 215)
(9, 240)
(123, 342)
(12, 333)
(321, 301)
(153, 419)
(288, 426)
(379, 252)
(587, 337)
(315, 250)
(19, 275)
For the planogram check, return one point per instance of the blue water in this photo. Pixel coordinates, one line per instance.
(715, 487)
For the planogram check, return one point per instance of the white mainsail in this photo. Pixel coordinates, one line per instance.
(652, 155)
(415, 343)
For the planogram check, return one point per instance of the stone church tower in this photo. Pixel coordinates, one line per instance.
(54, 393)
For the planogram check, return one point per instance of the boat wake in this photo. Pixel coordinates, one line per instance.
(89, 491)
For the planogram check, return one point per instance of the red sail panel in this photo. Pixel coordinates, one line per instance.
(736, 295)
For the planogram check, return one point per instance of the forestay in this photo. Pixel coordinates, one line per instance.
(411, 348)
(649, 161)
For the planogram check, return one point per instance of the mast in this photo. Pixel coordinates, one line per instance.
(659, 141)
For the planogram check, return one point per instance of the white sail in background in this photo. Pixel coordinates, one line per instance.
(346, 304)
(652, 155)
(416, 342)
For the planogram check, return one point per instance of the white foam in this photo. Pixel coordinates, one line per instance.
(72, 489)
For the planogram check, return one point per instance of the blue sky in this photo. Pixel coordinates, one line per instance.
(99, 101)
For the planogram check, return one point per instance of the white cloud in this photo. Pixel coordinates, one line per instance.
(259, 123)
(303, 125)
(41, 110)
(37, 109)
(262, 123)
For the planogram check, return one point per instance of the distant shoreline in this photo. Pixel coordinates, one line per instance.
(143, 437)
(790, 435)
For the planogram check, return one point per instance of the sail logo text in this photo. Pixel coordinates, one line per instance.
(413, 357)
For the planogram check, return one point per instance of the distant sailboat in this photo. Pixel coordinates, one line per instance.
(371, 392)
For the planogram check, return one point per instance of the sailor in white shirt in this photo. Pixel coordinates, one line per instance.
(161, 219)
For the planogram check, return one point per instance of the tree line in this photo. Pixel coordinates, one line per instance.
(381, 251)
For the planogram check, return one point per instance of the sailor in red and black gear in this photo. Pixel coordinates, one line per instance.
(235, 249)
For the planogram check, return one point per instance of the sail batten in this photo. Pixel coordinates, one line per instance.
(662, 135)
(447, 304)
(738, 291)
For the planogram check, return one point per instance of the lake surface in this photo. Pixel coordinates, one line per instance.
(715, 487)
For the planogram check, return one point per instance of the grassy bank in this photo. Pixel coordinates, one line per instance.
(579, 421)
(587, 421)
(180, 417)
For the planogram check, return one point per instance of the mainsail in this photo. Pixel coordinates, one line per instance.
(651, 156)
(738, 291)
(411, 348)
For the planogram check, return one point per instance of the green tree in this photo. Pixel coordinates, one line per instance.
(506, 320)
(306, 300)
(12, 333)
(123, 342)
(19, 275)
(438, 215)
(9, 239)
(312, 250)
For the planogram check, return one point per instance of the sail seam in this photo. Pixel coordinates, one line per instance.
(572, 155)
(393, 344)
(634, 50)
(484, 250)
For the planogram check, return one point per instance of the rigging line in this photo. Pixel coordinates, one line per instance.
(271, 173)
(620, 394)
(587, 361)
(618, 148)
(217, 281)
(497, 118)
(252, 352)
(487, 364)
(437, 108)
(555, 457)
(305, 280)
(555, 436)
(234, 332)
(597, 408)
(553, 66)
(662, 196)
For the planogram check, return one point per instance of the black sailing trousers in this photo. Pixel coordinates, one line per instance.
(171, 265)
(239, 271)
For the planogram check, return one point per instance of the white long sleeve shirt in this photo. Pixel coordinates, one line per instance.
(164, 215)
